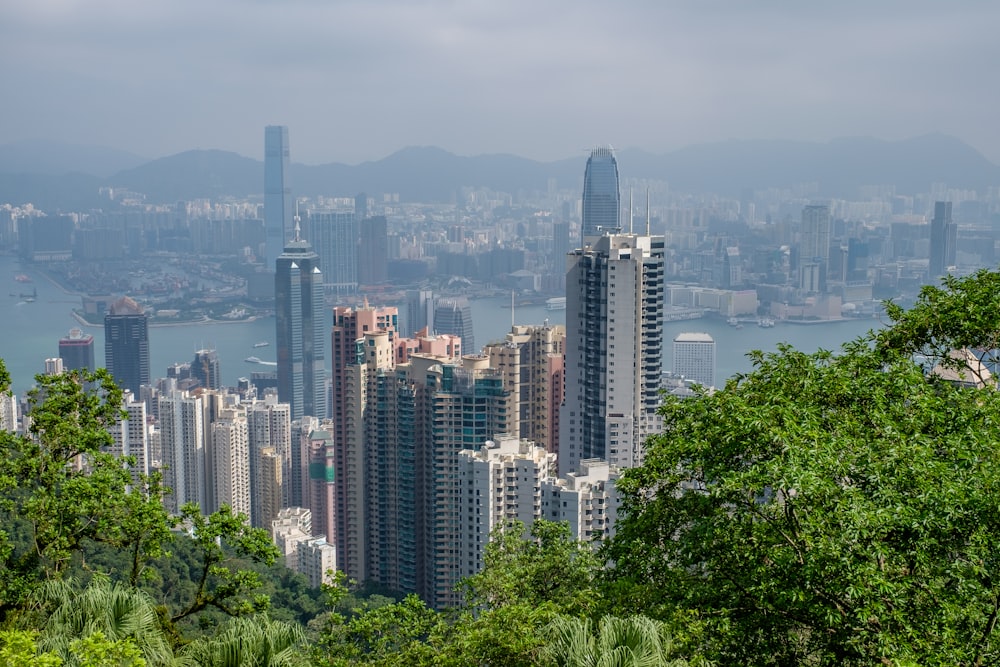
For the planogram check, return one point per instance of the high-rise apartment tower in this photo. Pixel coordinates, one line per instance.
(614, 350)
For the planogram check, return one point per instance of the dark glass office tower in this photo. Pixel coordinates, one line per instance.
(301, 343)
(206, 369)
(77, 351)
(944, 235)
(278, 204)
(601, 194)
(453, 315)
(126, 344)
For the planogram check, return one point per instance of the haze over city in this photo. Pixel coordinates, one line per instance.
(360, 80)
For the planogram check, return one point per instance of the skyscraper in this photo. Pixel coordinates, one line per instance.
(126, 344)
(205, 368)
(614, 350)
(694, 358)
(298, 299)
(814, 248)
(944, 235)
(278, 203)
(453, 315)
(77, 351)
(601, 194)
(335, 236)
(373, 251)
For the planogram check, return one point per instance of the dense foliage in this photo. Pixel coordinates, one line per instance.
(831, 509)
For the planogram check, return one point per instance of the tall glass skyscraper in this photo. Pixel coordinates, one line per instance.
(126, 344)
(278, 203)
(601, 194)
(298, 301)
(943, 240)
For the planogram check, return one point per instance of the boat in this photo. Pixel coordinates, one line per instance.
(556, 303)
(22, 278)
(252, 360)
(262, 343)
(733, 322)
(765, 323)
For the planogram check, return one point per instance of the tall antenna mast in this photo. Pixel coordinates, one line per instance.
(631, 210)
(647, 210)
(512, 310)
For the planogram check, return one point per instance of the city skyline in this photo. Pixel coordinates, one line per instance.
(805, 72)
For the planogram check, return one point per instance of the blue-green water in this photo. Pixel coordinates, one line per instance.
(32, 331)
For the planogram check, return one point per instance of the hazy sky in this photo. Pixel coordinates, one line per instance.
(356, 80)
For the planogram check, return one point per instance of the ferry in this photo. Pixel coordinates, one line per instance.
(22, 278)
(252, 360)
(556, 303)
(765, 323)
(262, 343)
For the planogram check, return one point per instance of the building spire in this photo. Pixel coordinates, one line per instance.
(297, 220)
(647, 210)
(631, 210)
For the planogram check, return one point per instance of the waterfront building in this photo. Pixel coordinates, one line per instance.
(530, 358)
(814, 248)
(206, 370)
(944, 234)
(694, 358)
(126, 344)
(614, 350)
(299, 329)
(453, 315)
(601, 194)
(77, 351)
(278, 204)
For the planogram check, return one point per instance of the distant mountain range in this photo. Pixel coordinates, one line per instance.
(54, 176)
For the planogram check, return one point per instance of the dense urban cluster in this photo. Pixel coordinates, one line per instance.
(553, 488)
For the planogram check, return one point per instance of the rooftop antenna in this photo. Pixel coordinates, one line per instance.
(647, 210)
(630, 209)
(512, 310)
(297, 219)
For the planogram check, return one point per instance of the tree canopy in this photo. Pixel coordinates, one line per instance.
(829, 508)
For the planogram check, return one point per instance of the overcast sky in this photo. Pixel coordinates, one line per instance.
(356, 80)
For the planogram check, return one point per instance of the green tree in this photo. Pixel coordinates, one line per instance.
(60, 488)
(108, 618)
(633, 641)
(255, 641)
(19, 648)
(221, 539)
(826, 509)
(543, 565)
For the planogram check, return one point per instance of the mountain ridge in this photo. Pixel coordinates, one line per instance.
(432, 174)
